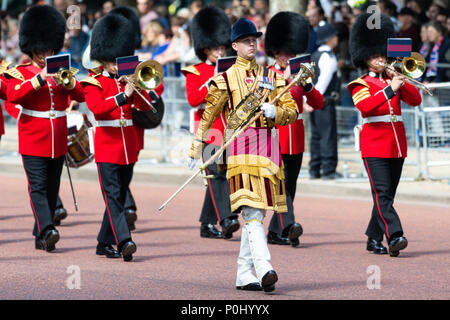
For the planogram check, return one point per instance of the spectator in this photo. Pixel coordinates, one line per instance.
(145, 8)
(179, 51)
(151, 41)
(163, 14)
(260, 5)
(108, 6)
(61, 6)
(408, 29)
(442, 18)
(390, 9)
(448, 26)
(435, 34)
(425, 49)
(78, 42)
(417, 7)
(314, 16)
(434, 11)
(195, 6)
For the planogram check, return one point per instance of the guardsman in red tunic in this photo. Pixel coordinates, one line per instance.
(286, 36)
(130, 15)
(377, 95)
(210, 31)
(111, 102)
(42, 124)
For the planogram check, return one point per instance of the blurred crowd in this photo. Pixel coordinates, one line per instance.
(166, 36)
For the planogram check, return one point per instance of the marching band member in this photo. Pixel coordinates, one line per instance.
(377, 95)
(286, 36)
(255, 177)
(210, 29)
(130, 204)
(111, 100)
(42, 125)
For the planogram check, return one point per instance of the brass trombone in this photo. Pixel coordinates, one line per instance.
(412, 67)
(147, 76)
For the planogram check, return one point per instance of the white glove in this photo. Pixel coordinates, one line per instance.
(269, 110)
(192, 163)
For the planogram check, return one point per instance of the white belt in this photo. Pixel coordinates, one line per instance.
(44, 114)
(114, 123)
(386, 118)
(300, 116)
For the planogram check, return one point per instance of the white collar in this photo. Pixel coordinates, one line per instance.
(324, 47)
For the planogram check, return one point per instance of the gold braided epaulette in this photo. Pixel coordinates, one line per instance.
(4, 66)
(91, 80)
(219, 81)
(191, 69)
(14, 73)
(358, 81)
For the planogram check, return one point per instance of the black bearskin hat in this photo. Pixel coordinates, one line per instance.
(111, 38)
(210, 28)
(288, 32)
(132, 17)
(42, 28)
(365, 42)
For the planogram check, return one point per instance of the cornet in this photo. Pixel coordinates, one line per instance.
(65, 77)
(412, 67)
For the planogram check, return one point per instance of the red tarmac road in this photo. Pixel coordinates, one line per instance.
(173, 262)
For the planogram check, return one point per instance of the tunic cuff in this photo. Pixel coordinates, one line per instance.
(388, 92)
(121, 99)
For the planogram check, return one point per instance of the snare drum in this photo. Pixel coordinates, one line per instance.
(79, 152)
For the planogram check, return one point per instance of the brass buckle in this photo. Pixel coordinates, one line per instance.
(394, 117)
(123, 122)
(52, 114)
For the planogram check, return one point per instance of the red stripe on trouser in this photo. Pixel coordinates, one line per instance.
(281, 221)
(212, 196)
(376, 197)
(106, 202)
(31, 201)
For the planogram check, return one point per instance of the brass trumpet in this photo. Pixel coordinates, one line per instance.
(147, 76)
(412, 67)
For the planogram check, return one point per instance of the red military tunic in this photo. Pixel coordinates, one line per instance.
(3, 86)
(139, 130)
(42, 137)
(373, 96)
(105, 98)
(292, 136)
(197, 77)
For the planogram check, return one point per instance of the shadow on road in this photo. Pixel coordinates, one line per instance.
(406, 254)
(194, 254)
(317, 244)
(163, 229)
(14, 230)
(302, 286)
(16, 216)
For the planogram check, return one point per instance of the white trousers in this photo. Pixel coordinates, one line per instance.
(254, 251)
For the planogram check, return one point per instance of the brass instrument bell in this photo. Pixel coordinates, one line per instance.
(149, 74)
(413, 66)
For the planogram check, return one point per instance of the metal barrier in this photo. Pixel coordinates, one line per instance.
(436, 132)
